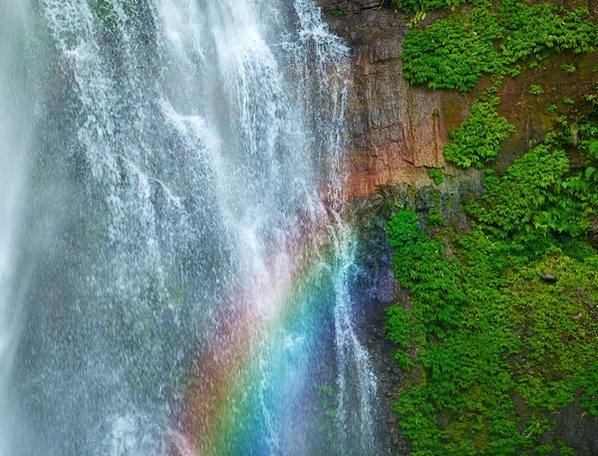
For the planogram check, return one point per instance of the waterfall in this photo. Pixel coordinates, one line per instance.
(178, 210)
(15, 136)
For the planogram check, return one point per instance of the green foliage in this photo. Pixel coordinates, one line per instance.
(559, 359)
(477, 141)
(425, 5)
(403, 229)
(406, 236)
(569, 68)
(540, 193)
(455, 51)
(536, 89)
(452, 53)
(436, 175)
(522, 198)
(537, 28)
(434, 216)
(484, 330)
(568, 101)
(471, 361)
(398, 329)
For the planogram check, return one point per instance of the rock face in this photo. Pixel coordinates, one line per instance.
(397, 131)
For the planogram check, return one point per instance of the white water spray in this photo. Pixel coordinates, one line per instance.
(194, 141)
(15, 130)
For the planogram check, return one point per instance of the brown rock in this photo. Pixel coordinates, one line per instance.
(396, 131)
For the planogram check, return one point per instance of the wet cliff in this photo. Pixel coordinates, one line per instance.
(397, 135)
(397, 131)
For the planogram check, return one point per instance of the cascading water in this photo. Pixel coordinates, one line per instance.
(189, 271)
(15, 135)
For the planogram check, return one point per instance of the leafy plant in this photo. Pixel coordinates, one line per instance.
(477, 140)
(483, 329)
(452, 53)
(455, 51)
(425, 5)
(569, 68)
(536, 89)
(436, 175)
(568, 101)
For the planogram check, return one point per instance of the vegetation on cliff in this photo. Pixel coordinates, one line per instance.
(498, 336)
(477, 141)
(455, 51)
(500, 331)
(425, 5)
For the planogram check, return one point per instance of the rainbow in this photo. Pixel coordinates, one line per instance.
(274, 326)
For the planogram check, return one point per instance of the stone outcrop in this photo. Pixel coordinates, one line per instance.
(397, 131)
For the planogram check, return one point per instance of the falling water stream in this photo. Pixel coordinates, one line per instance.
(175, 269)
(16, 112)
